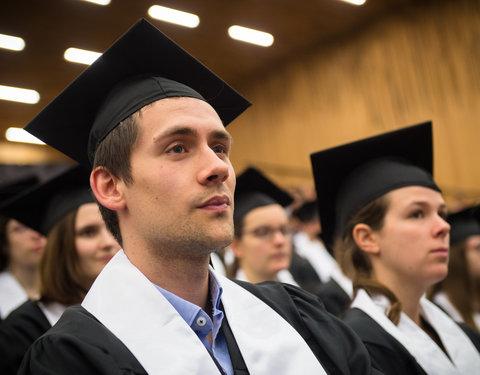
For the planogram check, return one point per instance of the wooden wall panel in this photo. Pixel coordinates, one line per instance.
(421, 64)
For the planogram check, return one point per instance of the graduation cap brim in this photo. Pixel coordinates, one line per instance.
(464, 224)
(43, 205)
(333, 166)
(254, 190)
(66, 122)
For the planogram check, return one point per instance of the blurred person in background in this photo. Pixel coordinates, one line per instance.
(78, 247)
(459, 293)
(20, 251)
(262, 242)
(328, 281)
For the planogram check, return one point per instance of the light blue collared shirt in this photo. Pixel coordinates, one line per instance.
(202, 325)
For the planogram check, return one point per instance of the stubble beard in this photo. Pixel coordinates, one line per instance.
(193, 241)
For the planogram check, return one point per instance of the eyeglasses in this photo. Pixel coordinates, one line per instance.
(267, 233)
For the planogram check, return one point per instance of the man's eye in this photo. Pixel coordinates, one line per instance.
(220, 149)
(177, 149)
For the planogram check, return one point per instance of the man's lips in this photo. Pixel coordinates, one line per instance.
(218, 202)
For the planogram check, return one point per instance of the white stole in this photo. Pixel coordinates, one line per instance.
(12, 295)
(463, 354)
(130, 306)
(52, 311)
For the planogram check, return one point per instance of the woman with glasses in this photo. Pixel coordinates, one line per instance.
(381, 207)
(262, 242)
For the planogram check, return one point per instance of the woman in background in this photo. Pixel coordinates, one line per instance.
(379, 203)
(20, 251)
(78, 247)
(262, 242)
(459, 293)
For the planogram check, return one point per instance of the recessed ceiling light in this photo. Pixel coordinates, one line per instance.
(174, 16)
(355, 2)
(20, 135)
(248, 35)
(13, 43)
(81, 56)
(99, 2)
(17, 94)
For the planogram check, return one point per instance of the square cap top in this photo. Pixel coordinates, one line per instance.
(254, 190)
(464, 224)
(120, 82)
(350, 176)
(43, 205)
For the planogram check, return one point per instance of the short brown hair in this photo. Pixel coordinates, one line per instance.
(113, 154)
(60, 275)
(356, 264)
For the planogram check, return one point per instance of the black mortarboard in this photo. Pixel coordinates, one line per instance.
(43, 205)
(120, 82)
(12, 188)
(348, 177)
(254, 190)
(464, 224)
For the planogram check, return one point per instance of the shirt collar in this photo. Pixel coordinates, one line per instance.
(189, 311)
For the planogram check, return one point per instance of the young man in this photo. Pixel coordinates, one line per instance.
(161, 173)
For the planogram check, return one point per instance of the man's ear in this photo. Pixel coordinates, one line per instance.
(105, 186)
(366, 238)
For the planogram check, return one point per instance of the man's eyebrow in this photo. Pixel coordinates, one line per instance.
(219, 134)
(185, 130)
(178, 130)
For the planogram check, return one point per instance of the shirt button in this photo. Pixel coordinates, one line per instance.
(201, 321)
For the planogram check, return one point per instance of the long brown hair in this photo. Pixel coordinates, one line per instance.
(459, 286)
(60, 275)
(356, 264)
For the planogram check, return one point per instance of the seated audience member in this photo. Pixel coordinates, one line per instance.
(332, 286)
(378, 200)
(149, 119)
(262, 242)
(459, 293)
(20, 251)
(78, 247)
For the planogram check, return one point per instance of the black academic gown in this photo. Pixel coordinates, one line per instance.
(17, 332)
(80, 343)
(304, 274)
(335, 299)
(387, 354)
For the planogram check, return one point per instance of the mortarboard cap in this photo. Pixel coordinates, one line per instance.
(348, 177)
(142, 66)
(12, 188)
(254, 190)
(464, 224)
(44, 204)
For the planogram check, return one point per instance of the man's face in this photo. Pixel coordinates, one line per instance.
(181, 198)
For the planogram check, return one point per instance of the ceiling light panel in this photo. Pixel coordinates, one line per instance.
(248, 35)
(10, 42)
(174, 16)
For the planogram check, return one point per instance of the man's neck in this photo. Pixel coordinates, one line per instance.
(186, 278)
